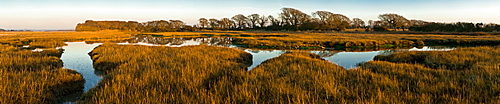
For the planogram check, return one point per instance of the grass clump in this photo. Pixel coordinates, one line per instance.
(35, 77)
(296, 77)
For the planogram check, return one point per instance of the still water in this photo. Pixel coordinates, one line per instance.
(76, 57)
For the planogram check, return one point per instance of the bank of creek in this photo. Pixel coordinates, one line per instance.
(75, 55)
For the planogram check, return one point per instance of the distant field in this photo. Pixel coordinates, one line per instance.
(259, 39)
(57, 39)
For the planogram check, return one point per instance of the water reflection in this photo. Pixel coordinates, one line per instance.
(260, 56)
(178, 42)
(349, 60)
(76, 57)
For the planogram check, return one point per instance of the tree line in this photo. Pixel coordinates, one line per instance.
(290, 19)
(150, 26)
(457, 27)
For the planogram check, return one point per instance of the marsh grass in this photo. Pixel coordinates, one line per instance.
(464, 75)
(362, 40)
(208, 74)
(57, 39)
(295, 77)
(192, 75)
(144, 74)
(459, 59)
(35, 77)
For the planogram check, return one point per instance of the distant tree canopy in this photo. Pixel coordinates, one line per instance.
(290, 19)
(456, 27)
(150, 26)
(395, 21)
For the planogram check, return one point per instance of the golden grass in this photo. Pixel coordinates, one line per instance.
(57, 39)
(296, 77)
(259, 39)
(361, 40)
(206, 74)
(192, 75)
(142, 74)
(35, 77)
(459, 59)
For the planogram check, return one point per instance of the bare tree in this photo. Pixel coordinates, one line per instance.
(240, 21)
(370, 23)
(213, 23)
(177, 24)
(293, 16)
(395, 20)
(225, 23)
(203, 22)
(273, 21)
(340, 21)
(262, 21)
(358, 23)
(252, 20)
(329, 20)
(323, 15)
(418, 22)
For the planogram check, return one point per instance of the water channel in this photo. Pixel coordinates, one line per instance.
(75, 55)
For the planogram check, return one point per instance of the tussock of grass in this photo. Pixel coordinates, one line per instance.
(296, 77)
(35, 77)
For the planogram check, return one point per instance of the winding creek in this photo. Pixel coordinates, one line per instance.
(75, 55)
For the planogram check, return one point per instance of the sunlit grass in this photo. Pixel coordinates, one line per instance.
(361, 40)
(143, 74)
(57, 39)
(207, 74)
(192, 75)
(35, 77)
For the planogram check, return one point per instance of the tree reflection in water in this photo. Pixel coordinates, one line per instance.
(171, 41)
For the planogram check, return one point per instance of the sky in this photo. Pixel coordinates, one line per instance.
(66, 14)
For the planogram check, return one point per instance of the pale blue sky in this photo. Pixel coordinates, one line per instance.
(65, 14)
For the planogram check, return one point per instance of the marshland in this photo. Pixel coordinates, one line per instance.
(295, 57)
(131, 67)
